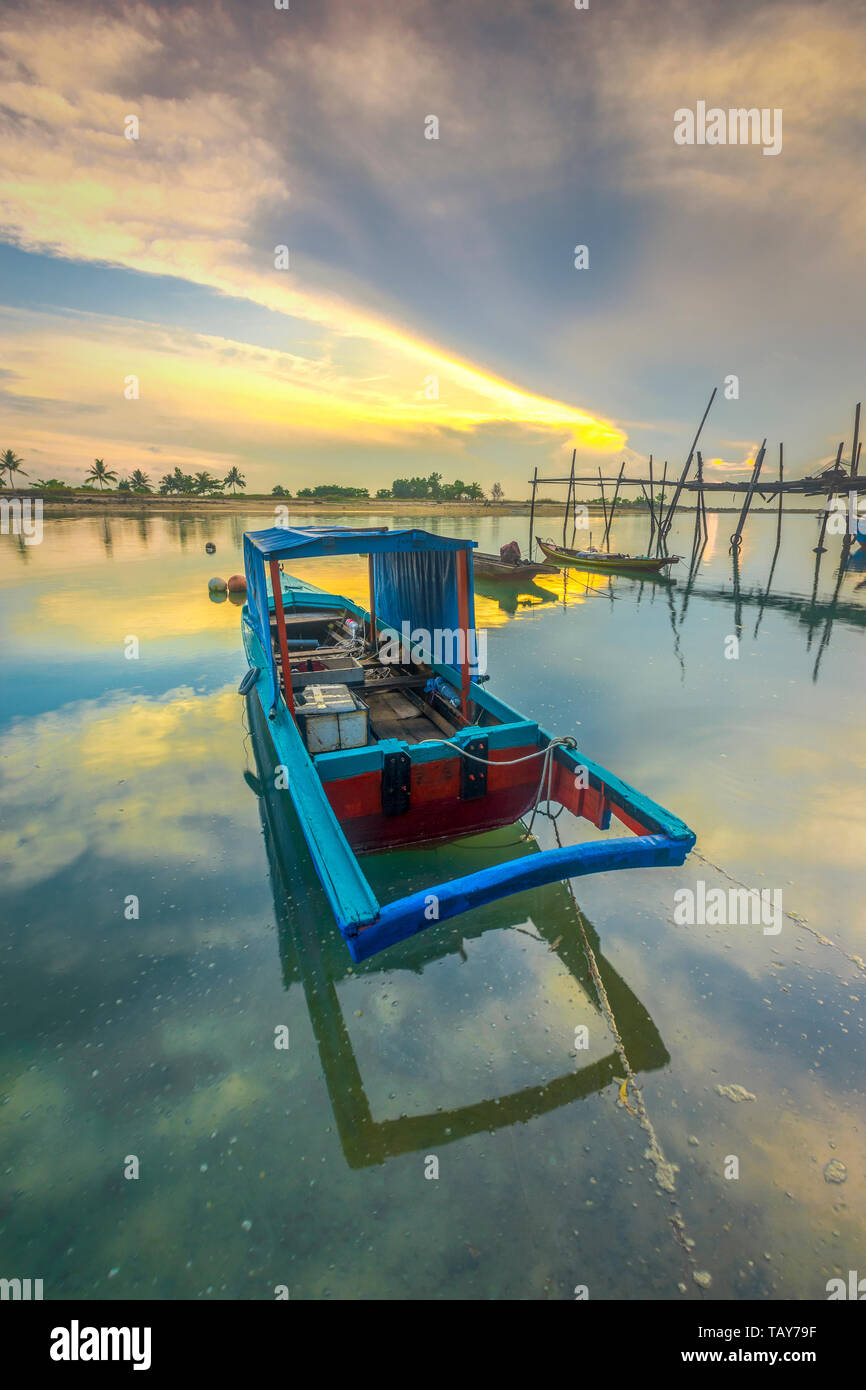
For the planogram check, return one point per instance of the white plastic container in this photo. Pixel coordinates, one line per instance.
(332, 718)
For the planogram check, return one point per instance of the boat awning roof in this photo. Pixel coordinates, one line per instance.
(420, 580)
(306, 542)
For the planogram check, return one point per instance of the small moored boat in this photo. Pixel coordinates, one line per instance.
(592, 559)
(384, 735)
(509, 565)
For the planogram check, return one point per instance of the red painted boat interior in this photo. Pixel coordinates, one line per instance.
(401, 710)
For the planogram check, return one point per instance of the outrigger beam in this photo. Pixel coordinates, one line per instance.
(411, 914)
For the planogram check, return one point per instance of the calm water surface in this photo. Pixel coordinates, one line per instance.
(153, 1037)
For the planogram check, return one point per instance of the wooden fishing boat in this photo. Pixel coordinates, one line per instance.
(493, 567)
(604, 560)
(384, 735)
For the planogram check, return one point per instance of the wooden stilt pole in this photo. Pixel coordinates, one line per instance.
(737, 537)
(603, 502)
(855, 462)
(568, 498)
(697, 543)
(778, 538)
(652, 507)
(666, 525)
(649, 509)
(820, 547)
(831, 607)
(781, 486)
(613, 506)
(660, 539)
(702, 499)
(704, 515)
(738, 607)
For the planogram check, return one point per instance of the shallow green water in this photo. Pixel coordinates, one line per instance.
(304, 1167)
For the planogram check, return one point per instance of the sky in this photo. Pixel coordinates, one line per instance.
(431, 315)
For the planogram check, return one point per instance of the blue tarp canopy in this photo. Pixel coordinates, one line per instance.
(414, 574)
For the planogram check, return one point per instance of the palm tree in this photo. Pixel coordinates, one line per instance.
(206, 482)
(234, 479)
(139, 481)
(100, 474)
(10, 463)
(166, 484)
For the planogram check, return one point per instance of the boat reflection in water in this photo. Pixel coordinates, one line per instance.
(312, 950)
(510, 595)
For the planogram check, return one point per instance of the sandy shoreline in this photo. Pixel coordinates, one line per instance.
(122, 504)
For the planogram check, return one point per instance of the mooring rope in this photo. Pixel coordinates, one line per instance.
(564, 741)
(795, 917)
(665, 1172)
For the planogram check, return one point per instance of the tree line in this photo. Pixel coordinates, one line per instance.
(99, 475)
(205, 484)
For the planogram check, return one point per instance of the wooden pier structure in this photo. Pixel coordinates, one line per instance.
(835, 480)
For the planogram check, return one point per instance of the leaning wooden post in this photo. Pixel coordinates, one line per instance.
(820, 547)
(372, 582)
(778, 537)
(463, 562)
(574, 513)
(281, 634)
(532, 513)
(603, 502)
(660, 543)
(855, 461)
(737, 537)
(698, 532)
(704, 512)
(668, 520)
(613, 506)
(568, 500)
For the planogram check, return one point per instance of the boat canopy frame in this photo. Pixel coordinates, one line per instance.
(416, 578)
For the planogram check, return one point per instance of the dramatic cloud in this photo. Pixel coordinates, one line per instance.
(432, 295)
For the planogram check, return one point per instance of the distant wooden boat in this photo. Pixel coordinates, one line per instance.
(492, 567)
(607, 561)
(387, 738)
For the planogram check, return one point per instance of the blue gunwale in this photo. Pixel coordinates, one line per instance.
(368, 926)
